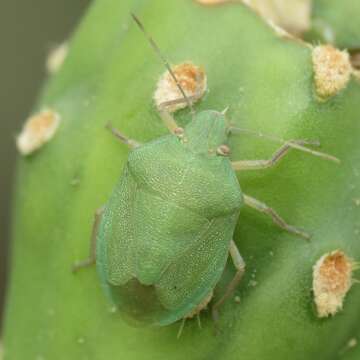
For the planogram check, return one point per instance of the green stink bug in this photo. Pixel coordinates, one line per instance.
(162, 240)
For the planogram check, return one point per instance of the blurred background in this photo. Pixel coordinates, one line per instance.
(28, 31)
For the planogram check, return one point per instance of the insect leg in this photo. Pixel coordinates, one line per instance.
(181, 328)
(131, 143)
(167, 118)
(91, 260)
(239, 264)
(277, 219)
(165, 114)
(198, 320)
(278, 155)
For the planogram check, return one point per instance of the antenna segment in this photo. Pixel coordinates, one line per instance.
(157, 50)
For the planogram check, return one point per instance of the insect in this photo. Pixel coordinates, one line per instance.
(163, 238)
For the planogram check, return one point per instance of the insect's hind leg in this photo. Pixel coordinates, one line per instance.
(239, 264)
(91, 260)
(277, 219)
(131, 143)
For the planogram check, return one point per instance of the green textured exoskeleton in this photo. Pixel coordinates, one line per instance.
(166, 230)
(163, 238)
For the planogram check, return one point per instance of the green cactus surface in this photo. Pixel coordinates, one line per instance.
(336, 22)
(267, 81)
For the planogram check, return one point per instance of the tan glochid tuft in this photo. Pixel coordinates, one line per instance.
(37, 130)
(193, 81)
(332, 70)
(56, 58)
(332, 279)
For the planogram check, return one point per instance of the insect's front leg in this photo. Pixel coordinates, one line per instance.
(91, 260)
(277, 219)
(165, 114)
(239, 264)
(168, 119)
(278, 155)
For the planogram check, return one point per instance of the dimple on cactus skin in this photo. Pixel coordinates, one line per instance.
(107, 76)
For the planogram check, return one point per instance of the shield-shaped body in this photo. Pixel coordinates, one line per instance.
(164, 236)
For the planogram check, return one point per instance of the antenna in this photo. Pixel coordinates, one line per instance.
(161, 56)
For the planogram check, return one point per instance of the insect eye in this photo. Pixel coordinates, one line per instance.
(223, 150)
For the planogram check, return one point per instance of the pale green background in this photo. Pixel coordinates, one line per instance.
(28, 29)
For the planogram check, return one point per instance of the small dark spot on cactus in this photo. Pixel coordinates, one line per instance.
(75, 181)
